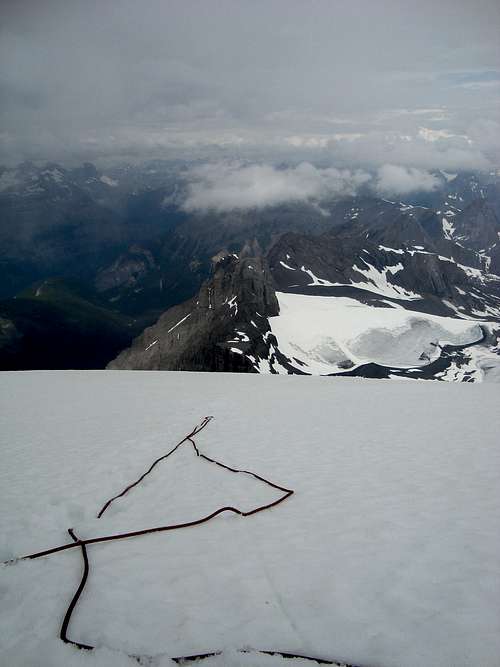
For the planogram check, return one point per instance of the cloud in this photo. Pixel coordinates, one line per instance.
(424, 149)
(228, 186)
(475, 79)
(428, 134)
(486, 135)
(397, 180)
(199, 74)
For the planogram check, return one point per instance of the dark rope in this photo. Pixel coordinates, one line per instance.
(64, 627)
(247, 472)
(235, 510)
(107, 538)
(320, 661)
(204, 656)
(194, 432)
(159, 529)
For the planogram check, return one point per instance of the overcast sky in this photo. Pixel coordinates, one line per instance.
(341, 82)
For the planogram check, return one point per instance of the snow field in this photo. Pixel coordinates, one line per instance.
(386, 554)
(325, 332)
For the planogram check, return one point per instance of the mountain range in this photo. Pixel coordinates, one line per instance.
(358, 285)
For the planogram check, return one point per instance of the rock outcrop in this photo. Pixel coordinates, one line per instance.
(223, 328)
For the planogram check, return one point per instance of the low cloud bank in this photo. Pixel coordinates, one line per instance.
(396, 180)
(427, 149)
(229, 186)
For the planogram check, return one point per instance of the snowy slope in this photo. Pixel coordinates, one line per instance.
(386, 555)
(329, 334)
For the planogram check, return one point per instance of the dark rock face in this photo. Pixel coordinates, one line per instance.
(127, 270)
(478, 225)
(478, 228)
(221, 329)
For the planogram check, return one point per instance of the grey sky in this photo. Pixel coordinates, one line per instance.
(358, 81)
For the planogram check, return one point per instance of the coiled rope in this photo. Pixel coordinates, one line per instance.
(82, 544)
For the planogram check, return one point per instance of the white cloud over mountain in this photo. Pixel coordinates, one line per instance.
(228, 186)
(397, 180)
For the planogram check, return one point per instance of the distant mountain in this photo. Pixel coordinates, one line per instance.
(387, 292)
(50, 226)
(122, 241)
(71, 222)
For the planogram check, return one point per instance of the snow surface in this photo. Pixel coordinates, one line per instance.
(379, 283)
(376, 282)
(319, 282)
(179, 323)
(481, 365)
(449, 176)
(448, 228)
(398, 251)
(108, 181)
(324, 333)
(55, 174)
(290, 268)
(386, 555)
